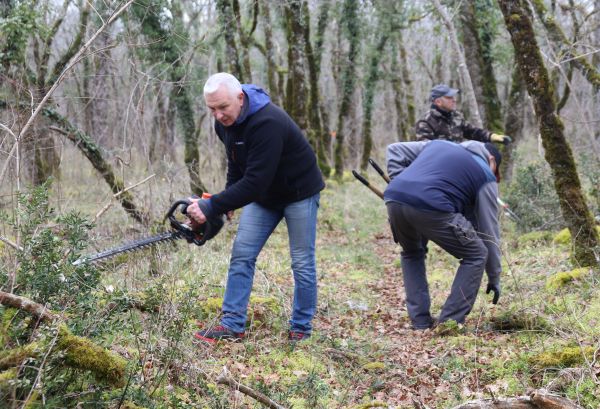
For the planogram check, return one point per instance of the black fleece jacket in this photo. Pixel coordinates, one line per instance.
(269, 161)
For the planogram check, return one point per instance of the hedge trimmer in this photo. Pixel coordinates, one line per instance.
(179, 230)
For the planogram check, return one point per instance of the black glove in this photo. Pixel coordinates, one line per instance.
(213, 224)
(496, 289)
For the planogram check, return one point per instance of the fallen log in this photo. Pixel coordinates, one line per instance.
(537, 399)
(79, 352)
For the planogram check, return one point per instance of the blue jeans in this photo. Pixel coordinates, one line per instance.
(256, 225)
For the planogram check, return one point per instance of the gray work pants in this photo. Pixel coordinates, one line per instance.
(411, 228)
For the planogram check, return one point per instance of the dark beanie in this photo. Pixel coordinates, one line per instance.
(491, 148)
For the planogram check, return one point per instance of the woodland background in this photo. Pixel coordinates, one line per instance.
(103, 125)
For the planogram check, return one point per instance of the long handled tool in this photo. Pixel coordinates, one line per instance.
(367, 184)
(379, 170)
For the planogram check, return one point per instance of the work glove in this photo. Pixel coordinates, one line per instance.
(495, 287)
(505, 139)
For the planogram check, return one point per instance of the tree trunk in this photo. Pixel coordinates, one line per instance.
(514, 121)
(226, 22)
(166, 47)
(315, 129)
(478, 39)
(473, 53)
(351, 25)
(272, 72)
(325, 141)
(557, 151)
(467, 84)
(370, 86)
(244, 40)
(296, 93)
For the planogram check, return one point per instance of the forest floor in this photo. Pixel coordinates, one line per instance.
(363, 352)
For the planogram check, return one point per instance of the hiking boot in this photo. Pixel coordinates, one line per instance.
(294, 336)
(214, 334)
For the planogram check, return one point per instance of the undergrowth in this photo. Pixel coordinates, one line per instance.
(144, 308)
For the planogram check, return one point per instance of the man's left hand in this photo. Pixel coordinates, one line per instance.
(505, 139)
(496, 289)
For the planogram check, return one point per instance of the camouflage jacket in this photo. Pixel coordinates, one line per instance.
(451, 126)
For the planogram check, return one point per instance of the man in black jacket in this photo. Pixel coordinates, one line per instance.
(272, 173)
(443, 121)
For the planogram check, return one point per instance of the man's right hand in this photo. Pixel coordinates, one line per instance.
(195, 213)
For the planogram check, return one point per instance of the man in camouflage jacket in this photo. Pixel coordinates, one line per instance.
(443, 121)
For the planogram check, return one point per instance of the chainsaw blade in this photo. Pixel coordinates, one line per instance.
(130, 247)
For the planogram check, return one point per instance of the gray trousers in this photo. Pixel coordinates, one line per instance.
(412, 228)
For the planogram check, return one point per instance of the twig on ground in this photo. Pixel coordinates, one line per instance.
(225, 379)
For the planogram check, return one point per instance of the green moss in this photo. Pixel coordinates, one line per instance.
(260, 309)
(534, 238)
(564, 236)
(374, 404)
(212, 305)
(565, 357)
(7, 376)
(449, 328)
(563, 278)
(512, 321)
(81, 353)
(14, 357)
(374, 366)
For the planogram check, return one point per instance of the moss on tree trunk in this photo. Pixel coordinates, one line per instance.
(558, 153)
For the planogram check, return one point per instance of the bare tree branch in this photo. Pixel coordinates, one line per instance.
(74, 60)
(225, 379)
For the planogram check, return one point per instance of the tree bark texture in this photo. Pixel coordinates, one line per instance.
(558, 153)
(514, 121)
(272, 71)
(478, 39)
(226, 22)
(167, 48)
(465, 76)
(315, 128)
(296, 93)
(244, 39)
(473, 52)
(351, 26)
(370, 87)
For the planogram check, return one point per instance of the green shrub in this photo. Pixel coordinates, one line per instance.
(532, 197)
(50, 245)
